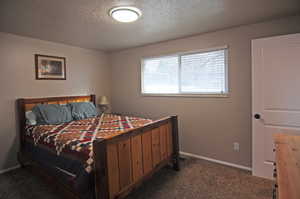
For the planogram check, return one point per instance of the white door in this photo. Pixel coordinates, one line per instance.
(275, 96)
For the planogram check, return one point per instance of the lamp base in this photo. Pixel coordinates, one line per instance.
(103, 108)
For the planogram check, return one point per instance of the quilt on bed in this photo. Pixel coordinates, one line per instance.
(74, 139)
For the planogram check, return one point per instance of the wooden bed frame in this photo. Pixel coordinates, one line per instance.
(123, 162)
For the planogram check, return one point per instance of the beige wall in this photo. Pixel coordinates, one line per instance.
(208, 126)
(87, 72)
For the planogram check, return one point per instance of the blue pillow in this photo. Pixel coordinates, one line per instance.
(83, 110)
(30, 118)
(52, 113)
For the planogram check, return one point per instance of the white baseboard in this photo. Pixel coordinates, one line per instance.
(181, 153)
(216, 161)
(9, 169)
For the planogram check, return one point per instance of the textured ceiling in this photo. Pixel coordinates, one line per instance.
(85, 23)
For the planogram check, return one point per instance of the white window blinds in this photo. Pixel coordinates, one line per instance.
(203, 72)
(194, 73)
(160, 75)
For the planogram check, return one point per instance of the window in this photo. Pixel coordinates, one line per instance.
(200, 73)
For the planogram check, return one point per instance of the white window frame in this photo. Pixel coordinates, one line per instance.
(187, 94)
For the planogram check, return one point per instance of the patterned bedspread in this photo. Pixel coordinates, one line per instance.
(75, 138)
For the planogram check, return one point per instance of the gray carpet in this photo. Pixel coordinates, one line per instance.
(197, 179)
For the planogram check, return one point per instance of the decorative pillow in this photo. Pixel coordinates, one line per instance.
(30, 118)
(82, 110)
(52, 113)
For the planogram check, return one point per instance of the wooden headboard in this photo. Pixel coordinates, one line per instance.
(26, 104)
(29, 103)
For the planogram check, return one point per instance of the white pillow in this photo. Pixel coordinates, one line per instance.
(30, 118)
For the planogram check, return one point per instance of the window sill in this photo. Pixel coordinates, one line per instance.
(225, 95)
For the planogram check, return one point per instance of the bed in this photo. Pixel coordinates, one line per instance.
(103, 157)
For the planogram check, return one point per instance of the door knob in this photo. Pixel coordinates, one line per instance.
(257, 116)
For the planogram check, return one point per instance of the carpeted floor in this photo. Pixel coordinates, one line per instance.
(198, 179)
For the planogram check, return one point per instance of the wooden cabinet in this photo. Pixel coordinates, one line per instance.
(287, 167)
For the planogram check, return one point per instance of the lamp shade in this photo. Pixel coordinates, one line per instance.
(103, 100)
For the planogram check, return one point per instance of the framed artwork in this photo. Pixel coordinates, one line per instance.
(50, 67)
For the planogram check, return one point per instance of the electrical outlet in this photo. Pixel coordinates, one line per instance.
(236, 146)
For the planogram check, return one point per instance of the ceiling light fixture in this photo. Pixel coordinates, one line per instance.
(125, 14)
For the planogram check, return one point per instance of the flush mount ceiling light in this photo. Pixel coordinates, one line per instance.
(125, 14)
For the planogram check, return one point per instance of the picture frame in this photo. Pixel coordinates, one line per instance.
(50, 67)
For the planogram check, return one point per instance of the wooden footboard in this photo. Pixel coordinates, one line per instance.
(125, 161)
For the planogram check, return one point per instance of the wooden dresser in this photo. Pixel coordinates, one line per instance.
(287, 167)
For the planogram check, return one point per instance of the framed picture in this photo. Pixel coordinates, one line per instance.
(50, 67)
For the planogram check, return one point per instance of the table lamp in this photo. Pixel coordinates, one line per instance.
(103, 104)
